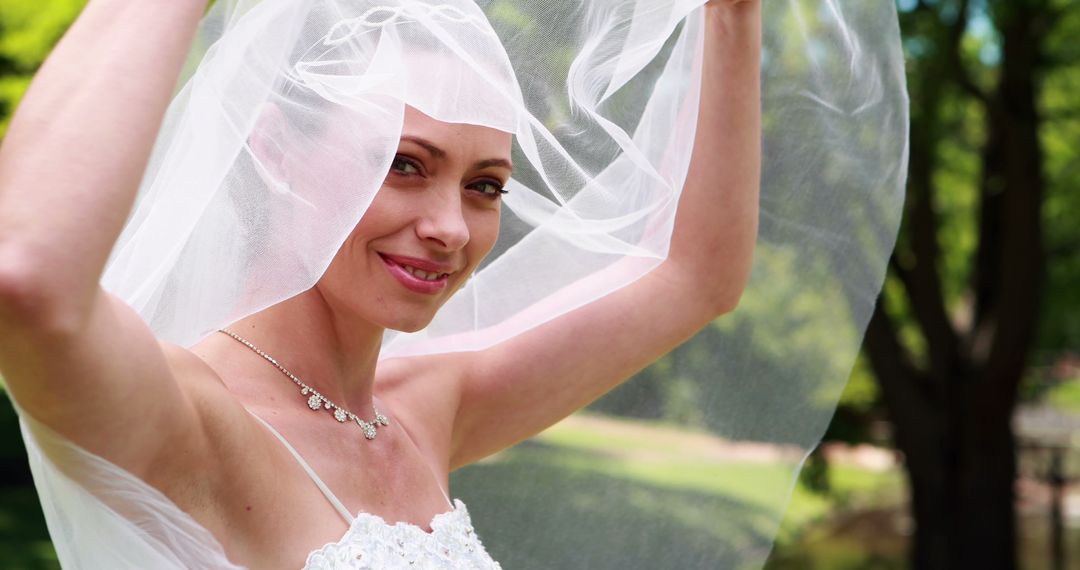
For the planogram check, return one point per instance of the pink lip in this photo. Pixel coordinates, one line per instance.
(422, 264)
(395, 265)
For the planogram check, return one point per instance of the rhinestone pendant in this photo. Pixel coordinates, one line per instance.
(316, 401)
(368, 429)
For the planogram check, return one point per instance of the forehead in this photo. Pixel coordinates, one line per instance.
(457, 137)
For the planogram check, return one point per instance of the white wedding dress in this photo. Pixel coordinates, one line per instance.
(373, 544)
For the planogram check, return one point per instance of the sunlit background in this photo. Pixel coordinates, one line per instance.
(954, 442)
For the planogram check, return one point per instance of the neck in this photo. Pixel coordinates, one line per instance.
(333, 355)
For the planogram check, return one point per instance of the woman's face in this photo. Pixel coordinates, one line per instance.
(433, 221)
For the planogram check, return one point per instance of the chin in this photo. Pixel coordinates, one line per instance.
(403, 322)
(409, 328)
(408, 316)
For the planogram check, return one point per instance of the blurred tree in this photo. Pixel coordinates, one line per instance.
(990, 82)
(28, 31)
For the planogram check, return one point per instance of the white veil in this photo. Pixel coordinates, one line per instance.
(602, 97)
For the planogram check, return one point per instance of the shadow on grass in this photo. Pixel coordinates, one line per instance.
(572, 517)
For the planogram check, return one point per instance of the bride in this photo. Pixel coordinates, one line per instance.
(368, 244)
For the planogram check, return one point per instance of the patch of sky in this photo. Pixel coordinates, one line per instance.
(981, 27)
(906, 5)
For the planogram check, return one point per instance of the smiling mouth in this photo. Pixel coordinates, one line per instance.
(425, 275)
(427, 280)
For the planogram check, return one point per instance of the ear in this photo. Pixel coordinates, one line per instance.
(265, 143)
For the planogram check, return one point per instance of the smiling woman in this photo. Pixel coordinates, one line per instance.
(428, 228)
(323, 189)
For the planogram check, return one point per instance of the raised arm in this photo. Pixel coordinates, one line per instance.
(70, 165)
(716, 224)
(517, 388)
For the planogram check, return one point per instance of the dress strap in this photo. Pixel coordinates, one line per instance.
(345, 514)
(446, 496)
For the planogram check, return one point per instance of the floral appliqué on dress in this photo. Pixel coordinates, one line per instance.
(373, 544)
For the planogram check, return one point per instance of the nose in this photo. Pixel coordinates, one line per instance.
(443, 220)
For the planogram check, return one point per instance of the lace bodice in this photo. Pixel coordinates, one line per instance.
(373, 544)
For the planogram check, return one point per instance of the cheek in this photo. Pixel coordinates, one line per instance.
(483, 232)
(382, 216)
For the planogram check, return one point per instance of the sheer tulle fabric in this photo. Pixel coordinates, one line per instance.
(101, 516)
(602, 98)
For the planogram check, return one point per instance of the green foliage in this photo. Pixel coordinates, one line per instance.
(959, 138)
(814, 475)
(861, 392)
(1061, 106)
(12, 89)
(28, 31)
(24, 540)
(1065, 396)
(31, 28)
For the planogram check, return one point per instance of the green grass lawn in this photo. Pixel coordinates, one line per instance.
(615, 494)
(1065, 396)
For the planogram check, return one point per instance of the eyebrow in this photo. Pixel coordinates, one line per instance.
(500, 162)
(428, 146)
(440, 154)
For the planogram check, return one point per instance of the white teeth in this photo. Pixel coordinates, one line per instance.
(421, 274)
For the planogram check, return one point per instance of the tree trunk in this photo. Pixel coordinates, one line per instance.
(951, 404)
(962, 501)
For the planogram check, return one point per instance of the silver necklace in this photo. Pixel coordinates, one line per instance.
(317, 401)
